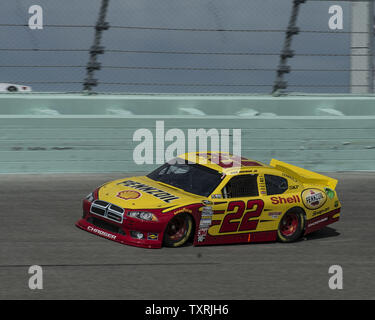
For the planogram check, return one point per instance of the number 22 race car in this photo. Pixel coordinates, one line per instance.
(212, 202)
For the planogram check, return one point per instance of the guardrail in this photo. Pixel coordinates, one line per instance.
(42, 133)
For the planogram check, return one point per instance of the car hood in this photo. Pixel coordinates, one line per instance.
(145, 193)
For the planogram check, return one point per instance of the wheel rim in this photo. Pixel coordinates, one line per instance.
(177, 229)
(289, 224)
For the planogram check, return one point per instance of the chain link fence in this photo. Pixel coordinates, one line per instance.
(174, 46)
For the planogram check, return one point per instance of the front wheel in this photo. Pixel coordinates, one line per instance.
(178, 230)
(290, 227)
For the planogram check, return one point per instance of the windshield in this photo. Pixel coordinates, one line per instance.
(192, 178)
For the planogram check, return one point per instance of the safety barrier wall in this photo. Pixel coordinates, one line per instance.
(43, 133)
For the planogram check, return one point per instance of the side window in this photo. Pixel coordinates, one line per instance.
(241, 186)
(275, 184)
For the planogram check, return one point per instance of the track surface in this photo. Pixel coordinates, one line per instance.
(38, 212)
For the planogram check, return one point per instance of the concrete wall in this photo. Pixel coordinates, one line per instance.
(78, 133)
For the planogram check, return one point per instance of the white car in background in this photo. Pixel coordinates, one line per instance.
(9, 87)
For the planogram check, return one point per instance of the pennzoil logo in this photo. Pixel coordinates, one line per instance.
(128, 194)
(313, 198)
(162, 195)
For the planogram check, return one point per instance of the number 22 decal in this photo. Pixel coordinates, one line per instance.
(236, 211)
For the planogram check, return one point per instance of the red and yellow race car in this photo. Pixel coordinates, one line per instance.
(212, 198)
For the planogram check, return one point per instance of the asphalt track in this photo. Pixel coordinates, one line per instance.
(38, 213)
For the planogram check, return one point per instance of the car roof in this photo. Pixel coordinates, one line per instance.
(223, 161)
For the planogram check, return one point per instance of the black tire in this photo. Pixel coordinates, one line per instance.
(178, 230)
(291, 226)
(12, 89)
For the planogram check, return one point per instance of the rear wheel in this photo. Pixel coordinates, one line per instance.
(178, 230)
(290, 227)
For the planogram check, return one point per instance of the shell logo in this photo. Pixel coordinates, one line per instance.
(128, 194)
(313, 198)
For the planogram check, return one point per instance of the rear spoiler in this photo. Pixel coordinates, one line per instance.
(305, 176)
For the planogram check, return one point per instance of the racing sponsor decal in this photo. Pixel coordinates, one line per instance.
(182, 210)
(160, 194)
(316, 213)
(317, 222)
(205, 223)
(152, 236)
(102, 233)
(274, 215)
(128, 194)
(206, 217)
(207, 211)
(323, 220)
(202, 234)
(313, 198)
(285, 200)
(289, 177)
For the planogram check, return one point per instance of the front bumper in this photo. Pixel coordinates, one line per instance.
(123, 232)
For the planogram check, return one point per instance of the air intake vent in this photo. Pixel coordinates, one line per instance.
(107, 210)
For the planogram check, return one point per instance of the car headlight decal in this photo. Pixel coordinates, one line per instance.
(142, 215)
(90, 197)
(93, 195)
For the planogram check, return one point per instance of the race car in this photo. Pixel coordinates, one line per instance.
(212, 198)
(9, 87)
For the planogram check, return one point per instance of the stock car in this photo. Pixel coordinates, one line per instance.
(9, 87)
(212, 198)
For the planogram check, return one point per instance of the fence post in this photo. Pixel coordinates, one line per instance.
(287, 52)
(96, 48)
(362, 24)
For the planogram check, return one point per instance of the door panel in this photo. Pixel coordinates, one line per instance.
(241, 215)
